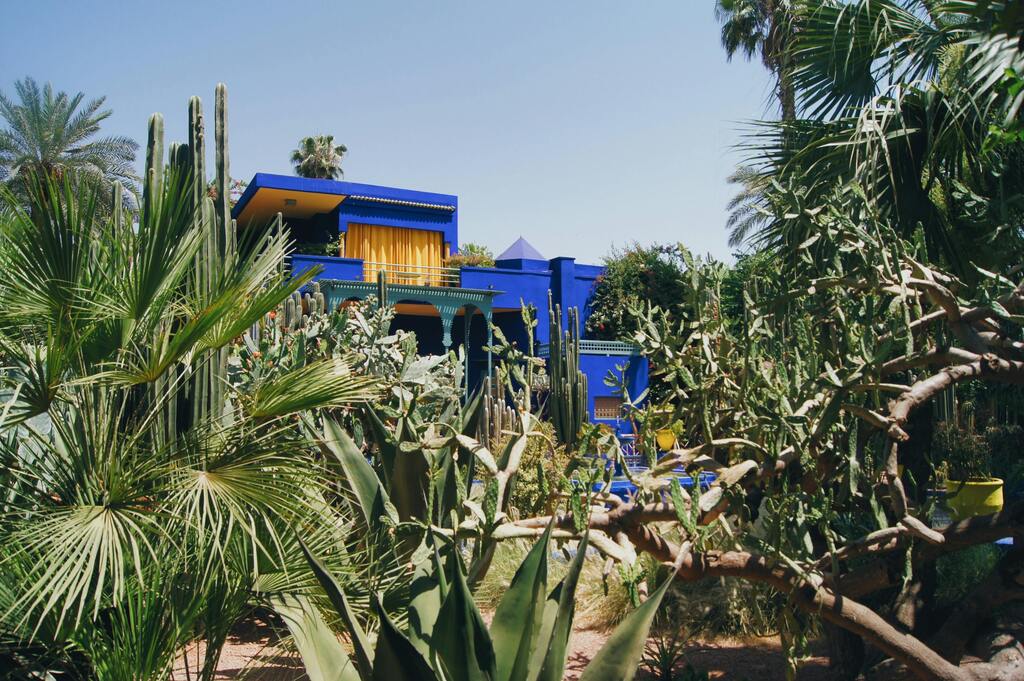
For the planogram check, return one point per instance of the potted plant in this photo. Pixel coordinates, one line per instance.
(667, 435)
(970, 487)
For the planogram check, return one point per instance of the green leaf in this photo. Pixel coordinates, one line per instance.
(396, 658)
(579, 517)
(360, 644)
(479, 451)
(328, 383)
(382, 435)
(372, 497)
(558, 616)
(517, 619)
(323, 655)
(460, 636)
(426, 594)
(619, 658)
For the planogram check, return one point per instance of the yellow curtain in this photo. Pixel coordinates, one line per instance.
(410, 256)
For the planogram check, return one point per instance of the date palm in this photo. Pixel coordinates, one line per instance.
(55, 133)
(319, 157)
(762, 28)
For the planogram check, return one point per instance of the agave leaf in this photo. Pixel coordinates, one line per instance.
(322, 653)
(373, 499)
(460, 636)
(518, 617)
(386, 445)
(619, 658)
(396, 658)
(513, 451)
(426, 594)
(360, 644)
(479, 451)
(559, 610)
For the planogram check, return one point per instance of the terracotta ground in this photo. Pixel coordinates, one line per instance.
(255, 652)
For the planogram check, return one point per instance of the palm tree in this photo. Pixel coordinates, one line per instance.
(318, 157)
(146, 488)
(52, 134)
(762, 28)
(900, 97)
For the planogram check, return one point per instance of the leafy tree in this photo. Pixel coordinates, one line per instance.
(762, 28)
(319, 157)
(634, 276)
(54, 134)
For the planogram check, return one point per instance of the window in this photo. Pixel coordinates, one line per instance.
(607, 407)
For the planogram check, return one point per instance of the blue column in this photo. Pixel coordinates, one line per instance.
(563, 283)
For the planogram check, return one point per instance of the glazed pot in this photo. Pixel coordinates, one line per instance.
(974, 497)
(666, 439)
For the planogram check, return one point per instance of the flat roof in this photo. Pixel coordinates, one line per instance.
(302, 197)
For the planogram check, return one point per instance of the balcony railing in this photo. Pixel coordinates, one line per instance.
(413, 275)
(597, 347)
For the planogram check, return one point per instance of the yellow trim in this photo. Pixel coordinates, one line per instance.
(266, 203)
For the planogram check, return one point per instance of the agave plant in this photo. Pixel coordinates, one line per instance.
(446, 637)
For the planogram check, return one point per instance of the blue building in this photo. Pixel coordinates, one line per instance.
(411, 237)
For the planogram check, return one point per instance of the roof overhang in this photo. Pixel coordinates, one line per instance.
(302, 198)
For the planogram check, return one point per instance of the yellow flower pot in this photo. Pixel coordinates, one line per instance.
(666, 439)
(974, 497)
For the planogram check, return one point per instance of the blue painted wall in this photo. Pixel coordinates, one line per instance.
(597, 367)
(346, 269)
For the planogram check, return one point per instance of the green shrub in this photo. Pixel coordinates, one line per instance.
(471, 255)
(1005, 445)
(958, 573)
(633, 277)
(964, 452)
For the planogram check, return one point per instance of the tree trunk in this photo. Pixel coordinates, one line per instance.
(845, 652)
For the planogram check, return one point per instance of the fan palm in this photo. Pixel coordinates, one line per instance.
(900, 100)
(319, 157)
(762, 28)
(126, 479)
(53, 133)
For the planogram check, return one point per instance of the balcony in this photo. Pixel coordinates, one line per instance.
(355, 269)
(411, 275)
(344, 279)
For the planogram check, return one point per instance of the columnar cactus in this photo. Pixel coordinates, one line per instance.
(187, 164)
(567, 403)
(498, 418)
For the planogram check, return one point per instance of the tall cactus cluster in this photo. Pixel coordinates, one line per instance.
(499, 418)
(185, 167)
(295, 312)
(567, 403)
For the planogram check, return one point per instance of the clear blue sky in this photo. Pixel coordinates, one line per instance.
(578, 125)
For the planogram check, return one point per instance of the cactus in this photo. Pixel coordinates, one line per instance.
(498, 417)
(382, 289)
(217, 252)
(567, 403)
